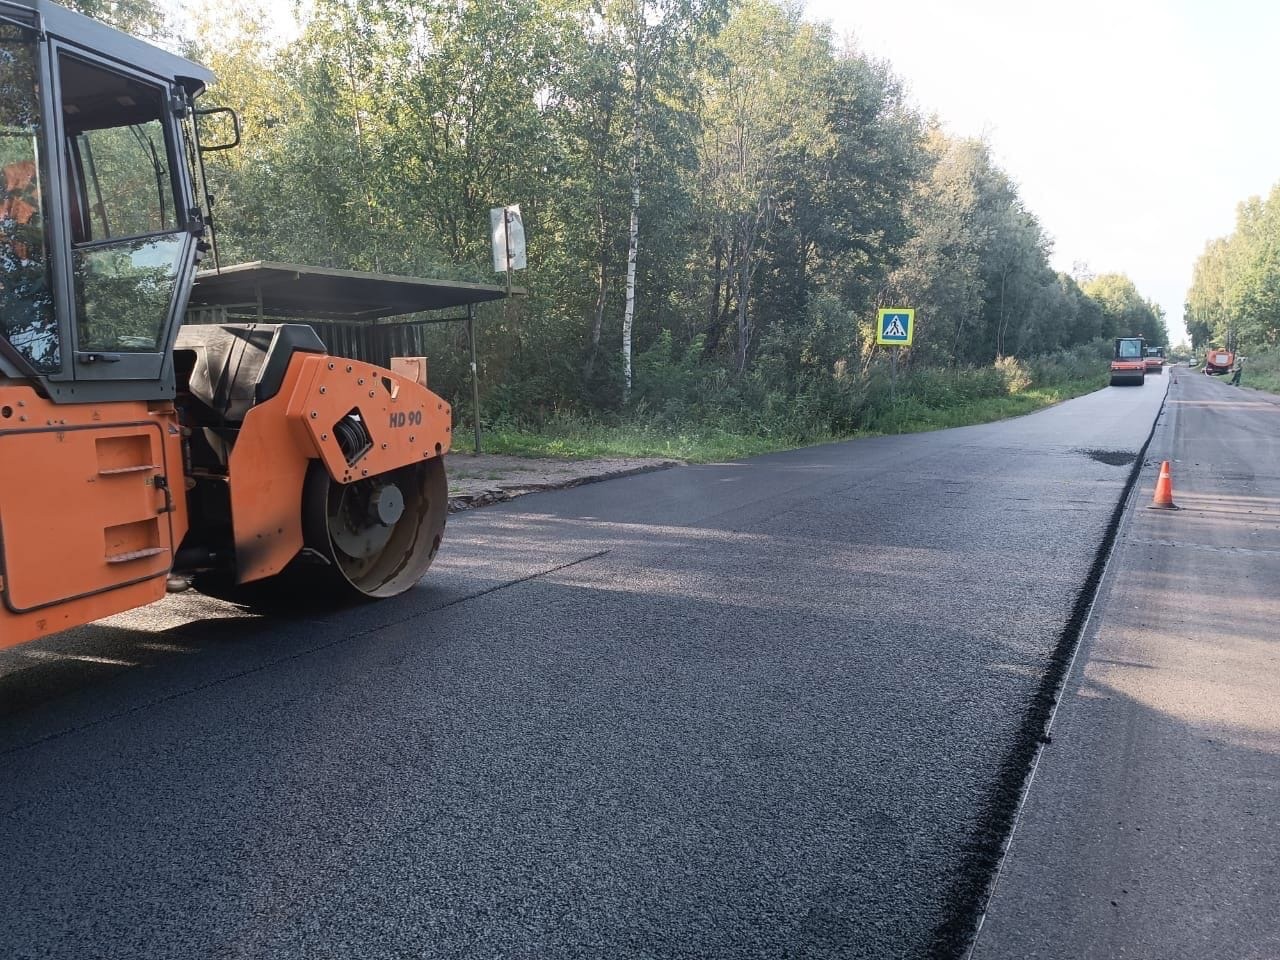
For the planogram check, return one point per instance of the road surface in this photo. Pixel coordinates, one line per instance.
(775, 708)
(1152, 827)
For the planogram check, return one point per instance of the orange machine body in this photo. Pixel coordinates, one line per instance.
(1218, 362)
(406, 423)
(99, 531)
(1128, 371)
(1128, 366)
(92, 508)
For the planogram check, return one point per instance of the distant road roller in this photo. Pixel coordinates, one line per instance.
(1155, 360)
(138, 454)
(1129, 364)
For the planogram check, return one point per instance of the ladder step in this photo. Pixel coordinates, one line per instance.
(117, 470)
(136, 554)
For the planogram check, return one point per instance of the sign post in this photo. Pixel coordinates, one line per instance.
(506, 236)
(475, 379)
(506, 232)
(895, 327)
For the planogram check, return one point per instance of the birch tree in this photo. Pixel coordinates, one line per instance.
(658, 41)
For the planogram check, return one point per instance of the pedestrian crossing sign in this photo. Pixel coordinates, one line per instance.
(895, 326)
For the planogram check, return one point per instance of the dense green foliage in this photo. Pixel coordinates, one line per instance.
(1235, 291)
(1262, 370)
(1124, 311)
(768, 186)
(142, 18)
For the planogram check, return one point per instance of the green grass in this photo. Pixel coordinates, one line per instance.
(1262, 371)
(910, 417)
(587, 439)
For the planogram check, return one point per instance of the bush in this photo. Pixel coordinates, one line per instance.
(1014, 373)
(1075, 363)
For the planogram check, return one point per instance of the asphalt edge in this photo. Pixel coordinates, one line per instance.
(958, 935)
(502, 495)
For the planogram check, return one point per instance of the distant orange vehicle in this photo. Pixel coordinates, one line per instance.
(1155, 360)
(1129, 365)
(1219, 362)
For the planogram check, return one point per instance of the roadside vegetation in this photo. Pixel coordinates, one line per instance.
(1234, 300)
(718, 196)
(1262, 370)
(922, 399)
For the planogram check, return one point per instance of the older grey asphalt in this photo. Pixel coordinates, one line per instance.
(1152, 828)
(758, 709)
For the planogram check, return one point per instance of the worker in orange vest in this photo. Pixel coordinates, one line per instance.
(20, 206)
(26, 306)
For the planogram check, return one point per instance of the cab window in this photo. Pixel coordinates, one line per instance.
(124, 225)
(26, 304)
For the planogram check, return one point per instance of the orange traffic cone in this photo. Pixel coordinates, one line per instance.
(1163, 500)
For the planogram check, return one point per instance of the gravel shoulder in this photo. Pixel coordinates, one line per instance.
(477, 480)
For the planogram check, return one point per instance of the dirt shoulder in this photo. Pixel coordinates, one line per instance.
(475, 481)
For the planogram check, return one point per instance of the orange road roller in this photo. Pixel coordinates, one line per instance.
(1128, 364)
(1155, 360)
(139, 454)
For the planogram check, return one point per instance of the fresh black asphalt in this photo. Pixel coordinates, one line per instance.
(758, 709)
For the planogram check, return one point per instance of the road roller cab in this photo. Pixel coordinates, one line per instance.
(138, 454)
(1128, 363)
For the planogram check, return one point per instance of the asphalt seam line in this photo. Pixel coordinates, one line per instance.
(1083, 613)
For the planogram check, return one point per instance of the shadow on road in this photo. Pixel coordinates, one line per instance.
(37, 673)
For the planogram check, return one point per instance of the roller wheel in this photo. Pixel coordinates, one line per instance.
(378, 534)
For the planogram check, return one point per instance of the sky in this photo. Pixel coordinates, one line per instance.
(1133, 127)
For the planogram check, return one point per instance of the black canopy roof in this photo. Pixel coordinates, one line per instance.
(291, 290)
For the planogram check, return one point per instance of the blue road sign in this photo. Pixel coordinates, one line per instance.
(895, 326)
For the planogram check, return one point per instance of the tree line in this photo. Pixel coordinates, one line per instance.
(1234, 298)
(718, 195)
